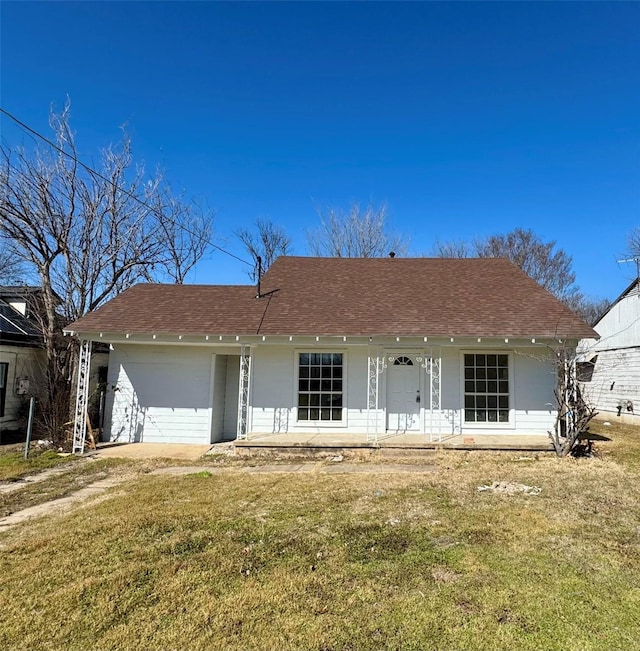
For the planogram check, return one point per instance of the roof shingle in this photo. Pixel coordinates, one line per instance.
(476, 297)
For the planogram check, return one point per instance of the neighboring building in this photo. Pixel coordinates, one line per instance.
(335, 346)
(22, 359)
(610, 366)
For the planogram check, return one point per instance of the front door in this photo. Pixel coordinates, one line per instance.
(403, 395)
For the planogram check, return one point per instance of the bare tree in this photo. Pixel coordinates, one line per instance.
(355, 233)
(589, 309)
(573, 413)
(89, 235)
(266, 242)
(11, 271)
(550, 267)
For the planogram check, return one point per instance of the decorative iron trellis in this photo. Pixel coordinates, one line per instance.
(82, 397)
(435, 384)
(244, 386)
(376, 365)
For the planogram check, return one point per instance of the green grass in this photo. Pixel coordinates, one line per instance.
(13, 465)
(75, 477)
(360, 561)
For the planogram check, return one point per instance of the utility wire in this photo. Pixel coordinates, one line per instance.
(89, 169)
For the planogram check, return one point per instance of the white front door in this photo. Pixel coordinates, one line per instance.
(403, 395)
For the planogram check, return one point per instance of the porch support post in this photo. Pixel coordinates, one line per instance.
(244, 387)
(435, 383)
(82, 397)
(373, 394)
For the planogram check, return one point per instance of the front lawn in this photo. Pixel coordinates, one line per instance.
(329, 561)
(13, 465)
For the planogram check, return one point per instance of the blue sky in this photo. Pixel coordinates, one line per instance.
(466, 119)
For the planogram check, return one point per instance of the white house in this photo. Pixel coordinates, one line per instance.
(340, 346)
(610, 370)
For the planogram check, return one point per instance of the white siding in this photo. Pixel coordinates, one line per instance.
(274, 396)
(159, 394)
(24, 362)
(219, 397)
(231, 400)
(615, 381)
(616, 372)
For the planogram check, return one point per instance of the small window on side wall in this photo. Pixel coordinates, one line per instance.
(4, 373)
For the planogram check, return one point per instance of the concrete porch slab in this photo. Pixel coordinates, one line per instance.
(342, 440)
(186, 451)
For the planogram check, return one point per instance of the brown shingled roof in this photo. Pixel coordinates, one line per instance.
(483, 297)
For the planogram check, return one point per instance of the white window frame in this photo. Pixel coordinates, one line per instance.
(314, 424)
(511, 423)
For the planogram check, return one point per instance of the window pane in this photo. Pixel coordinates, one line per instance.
(469, 386)
(469, 402)
(320, 386)
(492, 402)
(503, 360)
(481, 401)
(503, 387)
(481, 386)
(481, 373)
(503, 416)
(492, 386)
(469, 373)
(492, 373)
(492, 416)
(481, 415)
(491, 360)
(468, 360)
(481, 360)
(469, 415)
(503, 402)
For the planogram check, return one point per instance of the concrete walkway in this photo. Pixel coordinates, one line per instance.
(185, 451)
(64, 504)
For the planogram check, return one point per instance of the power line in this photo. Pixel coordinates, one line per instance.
(89, 169)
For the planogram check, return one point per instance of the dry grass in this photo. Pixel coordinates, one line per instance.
(359, 561)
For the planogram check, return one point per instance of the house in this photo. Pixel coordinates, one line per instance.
(22, 358)
(335, 346)
(610, 365)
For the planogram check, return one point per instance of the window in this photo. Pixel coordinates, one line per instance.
(320, 386)
(486, 388)
(4, 372)
(403, 361)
